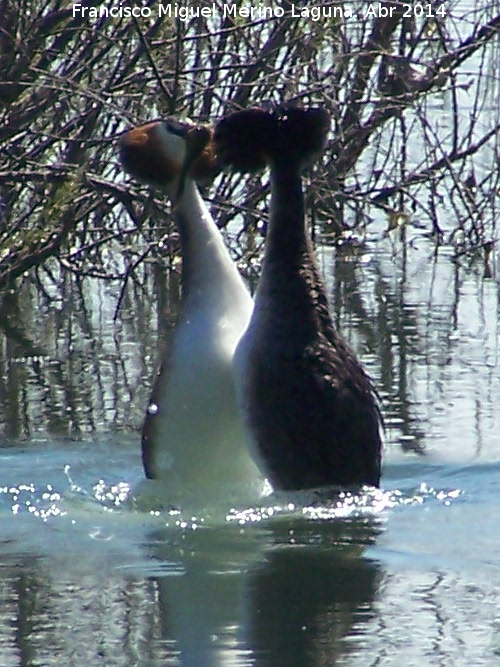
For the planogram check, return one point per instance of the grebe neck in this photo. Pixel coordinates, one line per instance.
(287, 236)
(291, 285)
(206, 263)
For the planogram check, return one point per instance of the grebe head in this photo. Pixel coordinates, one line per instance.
(251, 139)
(160, 152)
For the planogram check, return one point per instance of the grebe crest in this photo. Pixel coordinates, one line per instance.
(252, 139)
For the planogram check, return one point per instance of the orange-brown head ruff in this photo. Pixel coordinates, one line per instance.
(162, 151)
(251, 139)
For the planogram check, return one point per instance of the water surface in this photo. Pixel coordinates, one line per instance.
(406, 575)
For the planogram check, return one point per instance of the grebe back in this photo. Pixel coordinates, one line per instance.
(309, 405)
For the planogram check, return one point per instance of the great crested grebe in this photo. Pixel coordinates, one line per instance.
(310, 407)
(192, 438)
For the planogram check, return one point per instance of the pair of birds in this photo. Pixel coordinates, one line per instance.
(251, 389)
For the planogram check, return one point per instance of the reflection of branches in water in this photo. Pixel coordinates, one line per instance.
(64, 371)
(347, 294)
(207, 598)
(48, 379)
(413, 338)
(391, 336)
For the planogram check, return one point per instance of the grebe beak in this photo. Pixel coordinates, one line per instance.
(196, 140)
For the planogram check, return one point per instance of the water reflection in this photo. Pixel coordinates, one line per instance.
(77, 356)
(226, 596)
(66, 368)
(328, 581)
(82, 585)
(304, 602)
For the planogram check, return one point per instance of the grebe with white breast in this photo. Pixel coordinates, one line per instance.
(192, 439)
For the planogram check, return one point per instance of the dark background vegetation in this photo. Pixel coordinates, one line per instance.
(402, 153)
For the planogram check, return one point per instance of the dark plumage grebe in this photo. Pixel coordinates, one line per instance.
(193, 439)
(309, 405)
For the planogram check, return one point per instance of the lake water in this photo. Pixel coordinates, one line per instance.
(407, 575)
